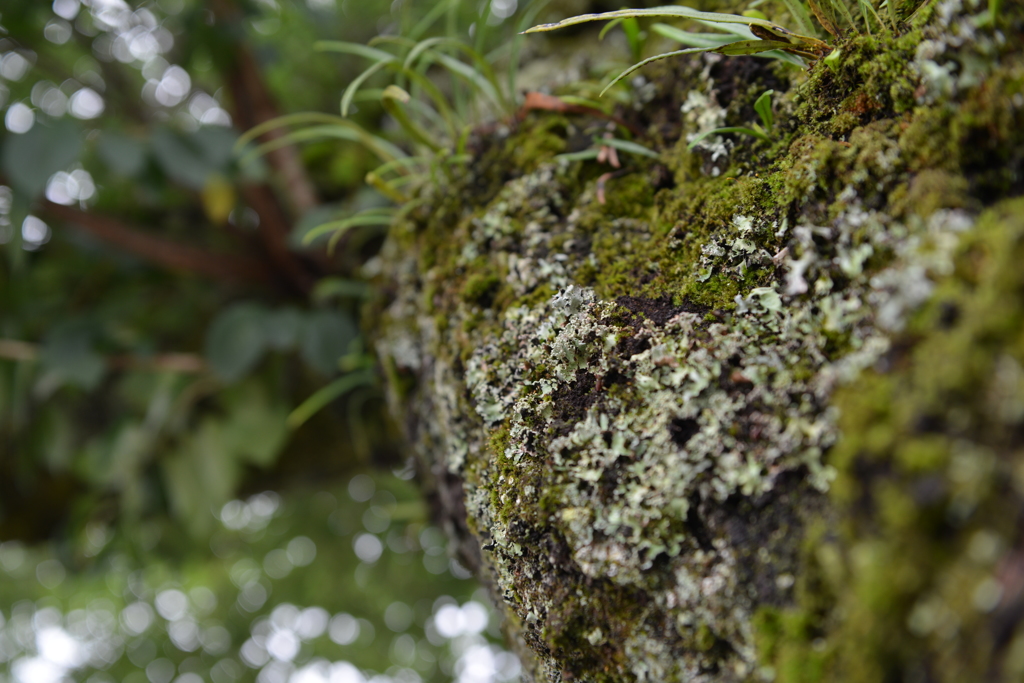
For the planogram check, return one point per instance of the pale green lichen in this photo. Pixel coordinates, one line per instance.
(643, 411)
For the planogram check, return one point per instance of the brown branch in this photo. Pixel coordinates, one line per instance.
(254, 104)
(274, 235)
(12, 349)
(187, 363)
(161, 251)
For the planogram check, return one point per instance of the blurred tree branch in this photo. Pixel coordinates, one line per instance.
(14, 349)
(231, 267)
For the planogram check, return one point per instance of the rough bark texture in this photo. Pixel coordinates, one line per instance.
(758, 415)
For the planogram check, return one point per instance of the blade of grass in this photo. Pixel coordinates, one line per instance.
(608, 27)
(627, 146)
(801, 17)
(584, 155)
(353, 87)
(866, 9)
(714, 40)
(324, 396)
(380, 59)
(655, 58)
(694, 39)
(529, 16)
(463, 140)
(473, 77)
(763, 107)
(369, 217)
(994, 9)
(419, 48)
(403, 164)
(379, 184)
(369, 222)
(345, 47)
(754, 47)
(435, 13)
(738, 30)
(384, 150)
(680, 12)
(289, 120)
(400, 41)
(631, 27)
(393, 100)
(483, 68)
(438, 98)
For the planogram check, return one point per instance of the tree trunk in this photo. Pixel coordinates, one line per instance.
(754, 411)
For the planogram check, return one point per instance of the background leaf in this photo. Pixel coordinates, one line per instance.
(123, 155)
(236, 340)
(326, 337)
(29, 159)
(68, 351)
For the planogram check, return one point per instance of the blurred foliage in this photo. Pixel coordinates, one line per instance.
(343, 585)
(160, 316)
(185, 396)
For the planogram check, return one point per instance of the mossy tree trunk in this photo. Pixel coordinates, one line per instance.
(754, 411)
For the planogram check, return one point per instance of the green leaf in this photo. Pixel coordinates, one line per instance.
(353, 87)
(393, 100)
(123, 155)
(359, 49)
(200, 475)
(801, 17)
(584, 155)
(679, 12)
(255, 429)
(29, 159)
(664, 55)
(634, 36)
(330, 127)
(694, 39)
(216, 144)
(751, 47)
(68, 350)
(715, 40)
(189, 159)
(484, 84)
(326, 336)
(607, 27)
(627, 146)
(282, 327)
(236, 341)
(340, 227)
(763, 107)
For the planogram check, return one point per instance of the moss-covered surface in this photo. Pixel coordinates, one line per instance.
(757, 415)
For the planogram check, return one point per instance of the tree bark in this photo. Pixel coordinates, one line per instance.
(754, 412)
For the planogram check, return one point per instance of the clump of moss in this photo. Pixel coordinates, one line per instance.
(480, 289)
(709, 429)
(927, 472)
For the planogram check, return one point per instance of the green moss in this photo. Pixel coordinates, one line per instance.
(649, 475)
(909, 536)
(480, 289)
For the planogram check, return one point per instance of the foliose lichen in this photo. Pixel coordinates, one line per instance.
(748, 423)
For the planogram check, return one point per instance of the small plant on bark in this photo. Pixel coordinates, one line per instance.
(752, 33)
